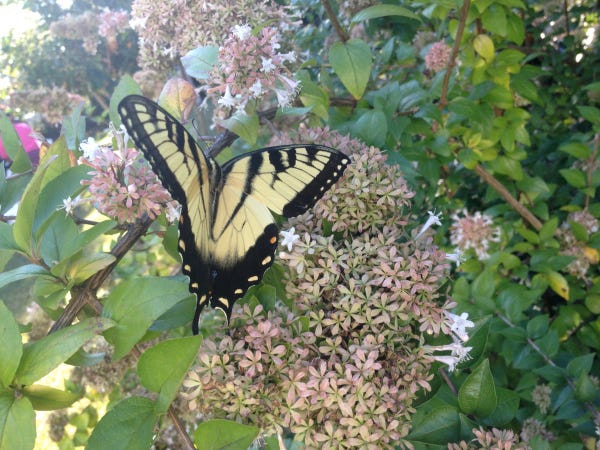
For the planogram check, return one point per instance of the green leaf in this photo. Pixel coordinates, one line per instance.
(558, 284)
(41, 357)
(483, 286)
(484, 47)
(508, 405)
(219, 434)
(477, 395)
(87, 265)
(160, 372)
(127, 426)
(515, 28)
(45, 398)
(67, 184)
(127, 86)
(17, 422)
(11, 348)
(13, 146)
(580, 364)
(574, 177)
(538, 326)
(351, 61)
(576, 149)
(439, 425)
(135, 304)
(73, 127)
(590, 114)
(373, 12)
(11, 189)
(313, 96)
(585, 390)
(200, 61)
(494, 21)
(22, 230)
(7, 241)
(372, 127)
(21, 273)
(244, 125)
(548, 229)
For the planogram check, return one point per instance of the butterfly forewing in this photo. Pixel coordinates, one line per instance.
(227, 235)
(286, 179)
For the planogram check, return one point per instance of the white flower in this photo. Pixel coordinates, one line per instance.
(256, 89)
(283, 98)
(69, 204)
(173, 212)
(458, 325)
(227, 100)
(433, 219)
(458, 353)
(90, 148)
(242, 32)
(288, 57)
(457, 257)
(289, 238)
(267, 64)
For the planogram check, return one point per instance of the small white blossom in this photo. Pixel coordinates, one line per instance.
(242, 31)
(267, 64)
(288, 57)
(459, 324)
(457, 257)
(90, 148)
(283, 98)
(227, 100)
(289, 238)
(256, 89)
(433, 219)
(69, 204)
(173, 212)
(458, 353)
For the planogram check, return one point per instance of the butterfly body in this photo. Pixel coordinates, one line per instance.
(227, 235)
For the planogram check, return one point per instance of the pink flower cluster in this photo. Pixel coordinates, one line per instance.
(438, 56)
(122, 185)
(250, 67)
(474, 231)
(342, 366)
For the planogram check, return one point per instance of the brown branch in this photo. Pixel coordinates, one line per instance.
(85, 294)
(590, 168)
(452, 61)
(336, 24)
(506, 195)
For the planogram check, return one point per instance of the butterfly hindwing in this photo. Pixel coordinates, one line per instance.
(227, 235)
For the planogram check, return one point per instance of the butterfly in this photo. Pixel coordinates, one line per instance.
(227, 236)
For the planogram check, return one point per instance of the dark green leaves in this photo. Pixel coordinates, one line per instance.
(224, 435)
(135, 304)
(351, 62)
(163, 367)
(127, 426)
(17, 422)
(477, 394)
(11, 348)
(41, 357)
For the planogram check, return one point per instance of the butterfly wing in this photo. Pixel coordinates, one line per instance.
(288, 179)
(227, 235)
(188, 176)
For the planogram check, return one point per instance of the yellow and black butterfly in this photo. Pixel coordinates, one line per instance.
(227, 236)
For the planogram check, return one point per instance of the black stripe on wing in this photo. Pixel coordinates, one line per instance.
(287, 179)
(171, 150)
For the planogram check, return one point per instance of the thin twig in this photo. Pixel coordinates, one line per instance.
(590, 167)
(452, 61)
(336, 24)
(506, 195)
(86, 293)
